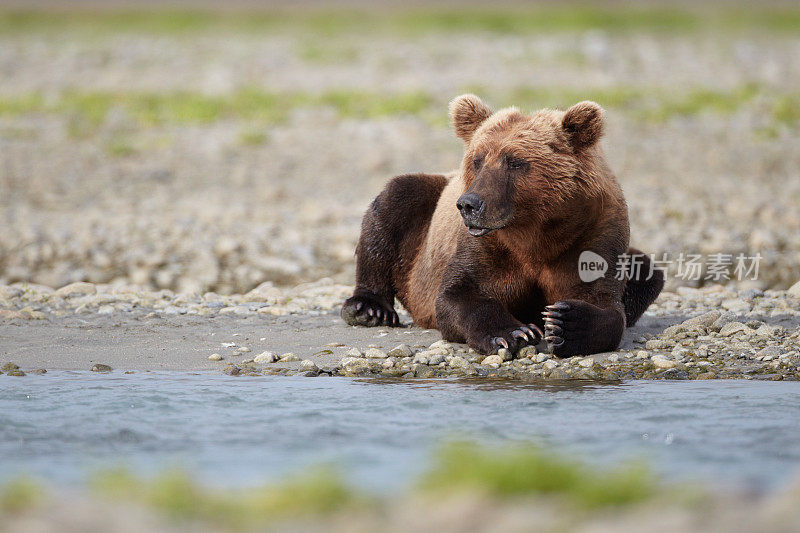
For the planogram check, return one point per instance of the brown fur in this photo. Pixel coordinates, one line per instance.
(537, 190)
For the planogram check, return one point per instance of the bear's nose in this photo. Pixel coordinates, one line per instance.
(470, 205)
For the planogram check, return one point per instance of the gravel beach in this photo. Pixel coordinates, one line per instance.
(215, 158)
(189, 196)
(709, 333)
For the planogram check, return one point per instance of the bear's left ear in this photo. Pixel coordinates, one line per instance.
(467, 112)
(583, 124)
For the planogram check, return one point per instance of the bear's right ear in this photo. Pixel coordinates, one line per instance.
(583, 123)
(467, 112)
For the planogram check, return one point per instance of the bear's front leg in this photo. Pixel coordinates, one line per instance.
(464, 315)
(576, 327)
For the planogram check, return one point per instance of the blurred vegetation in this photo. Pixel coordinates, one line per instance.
(533, 471)
(413, 21)
(178, 496)
(92, 107)
(505, 473)
(19, 495)
(86, 110)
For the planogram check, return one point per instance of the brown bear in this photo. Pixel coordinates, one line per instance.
(489, 254)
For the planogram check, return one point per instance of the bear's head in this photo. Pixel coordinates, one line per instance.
(522, 169)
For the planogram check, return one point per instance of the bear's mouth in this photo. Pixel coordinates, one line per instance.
(477, 231)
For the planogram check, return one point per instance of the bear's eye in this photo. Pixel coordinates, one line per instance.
(477, 162)
(515, 163)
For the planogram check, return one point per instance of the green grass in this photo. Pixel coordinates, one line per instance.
(408, 21)
(120, 147)
(253, 137)
(501, 474)
(178, 496)
(19, 495)
(327, 52)
(87, 110)
(530, 470)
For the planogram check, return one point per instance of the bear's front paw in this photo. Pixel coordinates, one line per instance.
(369, 312)
(513, 338)
(568, 328)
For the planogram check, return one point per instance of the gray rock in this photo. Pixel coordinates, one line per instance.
(492, 360)
(657, 344)
(99, 367)
(458, 362)
(308, 365)
(79, 288)
(528, 351)
(732, 328)
(401, 350)
(9, 367)
(505, 354)
(794, 290)
(723, 319)
(436, 359)
(374, 353)
(423, 371)
(265, 357)
(662, 362)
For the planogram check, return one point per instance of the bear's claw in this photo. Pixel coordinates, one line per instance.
(369, 312)
(501, 342)
(553, 325)
(516, 339)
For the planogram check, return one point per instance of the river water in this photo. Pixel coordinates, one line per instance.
(237, 431)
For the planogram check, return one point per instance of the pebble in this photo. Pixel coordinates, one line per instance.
(661, 362)
(506, 354)
(355, 365)
(401, 350)
(705, 320)
(215, 357)
(265, 357)
(243, 349)
(493, 360)
(288, 358)
(436, 359)
(794, 290)
(9, 367)
(458, 362)
(527, 351)
(374, 353)
(76, 289)
(308, 365)
(99, 367)
(732, 328)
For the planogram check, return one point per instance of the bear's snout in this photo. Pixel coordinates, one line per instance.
(471, 207)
